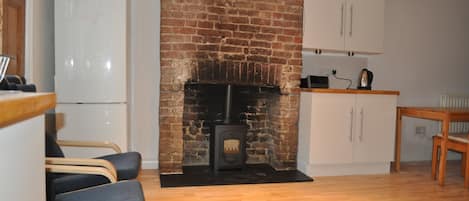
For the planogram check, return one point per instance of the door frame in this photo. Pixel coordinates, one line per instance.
(22, 58)
(28, 39)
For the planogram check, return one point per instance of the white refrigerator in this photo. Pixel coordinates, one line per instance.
(91, 72)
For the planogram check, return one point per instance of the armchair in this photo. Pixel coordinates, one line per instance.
(121, 166)
(114, 191)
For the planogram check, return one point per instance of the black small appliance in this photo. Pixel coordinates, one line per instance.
(365, 79)
(312, 81)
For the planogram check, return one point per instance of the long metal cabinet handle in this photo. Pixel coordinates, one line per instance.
(351, 126)
(342, 20)
(351, 20)
(361, 124)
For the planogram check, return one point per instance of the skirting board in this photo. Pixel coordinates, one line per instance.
(150, 165)
(345, 169)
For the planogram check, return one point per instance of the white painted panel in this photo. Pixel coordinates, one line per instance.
(144, 78)
(92, 122)
(347, 169)
(375, 128)
(331, 128)
(304, 132)
(323, 22)
(90, 51)
(365, 26)
(22, 170)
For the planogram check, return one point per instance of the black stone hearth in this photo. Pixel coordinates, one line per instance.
(252, 174)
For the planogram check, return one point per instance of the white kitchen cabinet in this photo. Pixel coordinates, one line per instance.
(323, 24)
(344, 25)
(343, 134)
(375, 128)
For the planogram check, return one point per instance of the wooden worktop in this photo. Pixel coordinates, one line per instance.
(350, 91)
(16, 106)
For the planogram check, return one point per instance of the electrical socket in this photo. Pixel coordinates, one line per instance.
(334, 71)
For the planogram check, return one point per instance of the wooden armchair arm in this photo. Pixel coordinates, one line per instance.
(81, 170)
(83, 162)
(105, 144)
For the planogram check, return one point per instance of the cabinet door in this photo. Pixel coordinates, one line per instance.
(323, 24)
(332, 122)
(364, 26)
(375, 128)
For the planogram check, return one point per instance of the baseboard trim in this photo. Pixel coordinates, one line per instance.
(150, 165)
(345, 169)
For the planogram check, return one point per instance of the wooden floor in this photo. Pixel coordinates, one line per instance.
(413, 183)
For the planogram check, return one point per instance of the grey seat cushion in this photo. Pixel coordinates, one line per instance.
(71, 182)
(127, 166)
(121, 191)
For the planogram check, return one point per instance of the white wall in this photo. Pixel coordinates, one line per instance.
(426, 46)
(346, 67)
(145, 79)
(39, 42)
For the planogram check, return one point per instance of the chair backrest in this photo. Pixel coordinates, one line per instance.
(50, 188)
(52, 148)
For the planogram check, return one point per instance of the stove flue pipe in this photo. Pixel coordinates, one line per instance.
(228, 105)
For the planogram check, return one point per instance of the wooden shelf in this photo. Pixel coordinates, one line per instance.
(350, 91)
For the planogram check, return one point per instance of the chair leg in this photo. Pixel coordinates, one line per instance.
(463, 164)
(434, 157)
(466, 175)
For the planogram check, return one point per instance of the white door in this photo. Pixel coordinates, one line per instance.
(90, 51)
(364, 26)
(323, 24)
(375, 130)
(92, 122)
(332, 121)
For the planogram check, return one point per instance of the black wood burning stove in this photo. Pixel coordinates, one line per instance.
(227, 148)
(228, 141)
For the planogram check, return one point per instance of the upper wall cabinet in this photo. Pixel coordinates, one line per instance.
(344, 25)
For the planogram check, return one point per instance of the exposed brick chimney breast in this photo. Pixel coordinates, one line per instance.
(242, 42)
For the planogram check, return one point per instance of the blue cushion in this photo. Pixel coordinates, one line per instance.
(121, 191)
(127, 166)
(71, 182)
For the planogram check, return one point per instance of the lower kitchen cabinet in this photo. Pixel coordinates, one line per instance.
(346, 134)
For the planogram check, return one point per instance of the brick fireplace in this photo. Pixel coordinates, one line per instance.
(252, 44)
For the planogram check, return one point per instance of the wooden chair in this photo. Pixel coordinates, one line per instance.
(457, 142)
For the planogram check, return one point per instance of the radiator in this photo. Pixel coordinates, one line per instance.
(456, 101)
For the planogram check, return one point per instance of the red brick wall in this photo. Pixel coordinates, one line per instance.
(247, 42)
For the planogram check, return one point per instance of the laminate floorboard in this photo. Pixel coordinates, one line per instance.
(413, 183)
